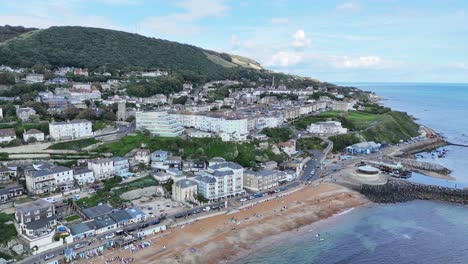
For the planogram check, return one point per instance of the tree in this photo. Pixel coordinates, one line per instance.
(7, 78)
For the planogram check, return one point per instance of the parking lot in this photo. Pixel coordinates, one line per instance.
(158, 206)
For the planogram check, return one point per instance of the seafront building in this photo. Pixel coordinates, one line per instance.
(328, 128)
(221, 180)
(158, 123)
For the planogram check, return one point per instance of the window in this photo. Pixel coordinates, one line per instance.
(36, 212)
(28, 220)
(37, 217)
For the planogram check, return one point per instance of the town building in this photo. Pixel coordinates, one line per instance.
(342, 106)
(264, 179)
(83, 176)
(103, 168)
(6, 174)
(48, 179)
(33, 135)
(8, 193)
(74, 129)
(121, 166)
(158, 123)
(327, 128)
(36, 223)
(220, 181)
(184, 190)
(288, 147)
(7, 135)
(25, 113)
(363, 148)
(34, 78)
(142, 156)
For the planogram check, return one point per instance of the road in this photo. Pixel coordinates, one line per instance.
(312, 168)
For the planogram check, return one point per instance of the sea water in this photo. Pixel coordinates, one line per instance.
(412, 232)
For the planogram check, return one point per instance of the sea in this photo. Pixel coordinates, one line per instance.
(411, 232)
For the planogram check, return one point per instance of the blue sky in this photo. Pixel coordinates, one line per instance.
(362, 40)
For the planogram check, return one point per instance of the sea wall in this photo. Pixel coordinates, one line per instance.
(395, 191)
(422, 146)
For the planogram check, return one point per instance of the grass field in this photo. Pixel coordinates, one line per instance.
(72, 218)
(74, 145)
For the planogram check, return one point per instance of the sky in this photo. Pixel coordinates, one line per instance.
(332, 40)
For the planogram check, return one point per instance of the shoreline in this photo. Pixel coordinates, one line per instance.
(226, 238)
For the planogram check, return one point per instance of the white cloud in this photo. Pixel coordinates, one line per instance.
(458, 65)
(184, 22)
(279, 21)
(300, 39)
(360, 62)
(350, 6)
(285, 59)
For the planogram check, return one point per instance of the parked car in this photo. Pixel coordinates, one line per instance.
(144, 225)
(49, 256)
(243, 200)
(206, 209)
(78, 246)
(109, 236)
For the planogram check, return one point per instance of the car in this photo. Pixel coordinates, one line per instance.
(144, 225)
(119, 232)
(49, 256)
(78, 246)
(251, 197)
(155, 222)
(91, 191)
(243, 200)
(150, 208)
(109, 236)
(206, 209)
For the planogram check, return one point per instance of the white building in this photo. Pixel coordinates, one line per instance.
(7, 135)
(288, 147)
(24, 113)
(232, 125)
(142, 156)
(184, 190)
(221, 180)
(327, 128)
(34, 78)
(83, 176)
(33, 133)
(158, 123)
(49, 179)
(102, 168)
(74, 129)
(342, 106)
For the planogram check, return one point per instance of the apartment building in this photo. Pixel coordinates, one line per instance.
(49, 179)
(35, 219)
(327, 128)
(74, 129)
(184, 190)
(220, 181)
(121, 166)
(158, 123)
(263, 180)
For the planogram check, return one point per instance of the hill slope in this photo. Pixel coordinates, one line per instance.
(8, 32)
(94, 48)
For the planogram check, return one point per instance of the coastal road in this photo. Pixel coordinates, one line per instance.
(312, 168)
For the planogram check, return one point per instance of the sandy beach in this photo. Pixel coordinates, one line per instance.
(226, 237)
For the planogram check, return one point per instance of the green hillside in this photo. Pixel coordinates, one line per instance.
(96, 48)
(8, 32)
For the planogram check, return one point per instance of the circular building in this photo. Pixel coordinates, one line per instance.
(368, 170)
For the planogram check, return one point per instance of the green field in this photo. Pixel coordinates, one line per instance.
(74, 145)
(246, 154)
(375, 123)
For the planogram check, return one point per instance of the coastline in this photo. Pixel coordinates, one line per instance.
(225, 238)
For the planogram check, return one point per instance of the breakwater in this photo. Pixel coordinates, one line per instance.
(421, 146)
(395, 191)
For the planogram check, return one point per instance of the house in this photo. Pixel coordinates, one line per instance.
(136, 214)
(160, 176)
(33, 135)
(159, 155)
(121, 166)
(74, 129)
(270, 165)
(363, 148)
(97, 211)
(175, 174)
(102, 224)
(6, 174)
(7, 135)
(103, 168)
(36, 218)
(288, 147)
(83, 176)
(34, 78)
(24, 113)
(184, 190)
(193, 165)
(142, 156)
(48, 179)
(216, 160)
(8, 193)
(121, 217)
(81, 231)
